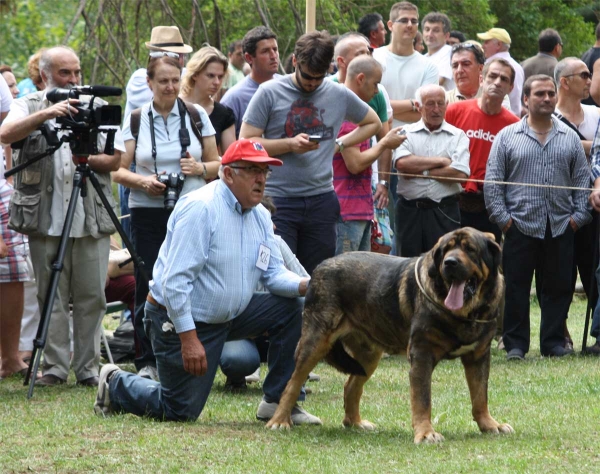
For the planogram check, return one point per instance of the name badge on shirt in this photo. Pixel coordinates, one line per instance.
(264, 254)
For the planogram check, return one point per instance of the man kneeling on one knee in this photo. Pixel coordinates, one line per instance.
(219, 245)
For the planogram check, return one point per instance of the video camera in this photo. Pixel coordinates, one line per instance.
(91, 116)
(85, 124)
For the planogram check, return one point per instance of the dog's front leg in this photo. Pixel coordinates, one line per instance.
(477, 371)
(421, 368)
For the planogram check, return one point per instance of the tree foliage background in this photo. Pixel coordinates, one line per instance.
(109, 35)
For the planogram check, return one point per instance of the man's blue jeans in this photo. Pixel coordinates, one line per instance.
(309, 226)
(353, 236)
(181, 396)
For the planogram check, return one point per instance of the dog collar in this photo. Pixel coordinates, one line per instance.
(439, 306)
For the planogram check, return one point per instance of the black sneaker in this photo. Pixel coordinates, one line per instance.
(515, 354)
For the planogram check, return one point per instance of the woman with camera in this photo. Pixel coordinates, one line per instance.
(174, 149)
(204, 75)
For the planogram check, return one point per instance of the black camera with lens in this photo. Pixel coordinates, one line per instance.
(174, 185)
(89, 116)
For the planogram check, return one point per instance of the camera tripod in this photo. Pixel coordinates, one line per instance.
(82, 173)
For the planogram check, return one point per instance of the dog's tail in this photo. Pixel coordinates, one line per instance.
(342, 361)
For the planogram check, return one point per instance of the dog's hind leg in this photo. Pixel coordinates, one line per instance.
(312, 347)
(477, 372)
(368, 357)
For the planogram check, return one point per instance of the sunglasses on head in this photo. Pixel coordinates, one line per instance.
(160, 54)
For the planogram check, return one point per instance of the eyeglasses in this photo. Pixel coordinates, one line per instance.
(406, 21)
(308, 77)
(160, 54)
(254, 171)
(585, 75)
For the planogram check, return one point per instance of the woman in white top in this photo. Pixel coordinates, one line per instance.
(159, 150)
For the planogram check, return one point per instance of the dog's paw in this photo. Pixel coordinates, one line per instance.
(429, 437)
(505, 428)
(273, 424)
(362, 424)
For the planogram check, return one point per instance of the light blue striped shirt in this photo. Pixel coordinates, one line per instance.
(518, 156)
(207, 266)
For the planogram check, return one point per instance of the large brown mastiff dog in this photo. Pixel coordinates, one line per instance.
(442, 305)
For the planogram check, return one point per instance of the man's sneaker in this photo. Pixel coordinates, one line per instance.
(299, 416)
(149, 372)
(558, 351)
(515, 354)
(235, 386)
(102, 406)
(254, 377)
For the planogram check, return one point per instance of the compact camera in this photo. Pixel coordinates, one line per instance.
(174, 185)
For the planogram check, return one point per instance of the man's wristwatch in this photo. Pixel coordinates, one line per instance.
(383, 182)
(340, 144)
(425, 172)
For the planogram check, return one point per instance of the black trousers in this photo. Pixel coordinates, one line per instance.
(521, 255)
(480, 221)
(419, 228)
(148, 231)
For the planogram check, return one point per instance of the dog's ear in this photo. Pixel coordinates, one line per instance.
(493, 255)
(438, 255)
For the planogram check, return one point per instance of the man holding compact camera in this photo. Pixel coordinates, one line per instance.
(38, 208)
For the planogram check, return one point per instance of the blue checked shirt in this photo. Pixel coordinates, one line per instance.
(207, 266)
(517, 156)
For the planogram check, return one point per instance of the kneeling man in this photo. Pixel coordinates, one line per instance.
(219, 245)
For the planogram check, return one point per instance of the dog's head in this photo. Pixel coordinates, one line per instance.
(462, 262)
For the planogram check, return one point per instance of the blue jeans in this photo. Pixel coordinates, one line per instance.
(238, 359)
(181, 396)
(309, 226)
(353, 236)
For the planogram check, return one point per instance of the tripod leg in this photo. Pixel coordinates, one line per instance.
(40, 341)
(137, 261)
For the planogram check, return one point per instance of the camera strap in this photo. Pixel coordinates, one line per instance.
(184, 134)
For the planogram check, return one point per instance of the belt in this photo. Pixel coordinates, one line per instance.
(150, 299)
(429, 203)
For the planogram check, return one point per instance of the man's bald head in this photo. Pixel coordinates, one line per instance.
(363, 65)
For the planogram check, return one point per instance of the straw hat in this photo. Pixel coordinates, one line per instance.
(167, 38)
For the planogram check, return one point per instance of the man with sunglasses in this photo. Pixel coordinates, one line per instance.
(574, 80)
(202, 295)
(297, 118)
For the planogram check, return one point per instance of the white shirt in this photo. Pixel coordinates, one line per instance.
(441, 58)
(403, 75)
(447, 141)
(64, 169)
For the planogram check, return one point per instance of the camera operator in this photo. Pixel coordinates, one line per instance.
(38, 208)
(158, 155)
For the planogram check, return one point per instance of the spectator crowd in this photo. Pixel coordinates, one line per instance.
(237, 177)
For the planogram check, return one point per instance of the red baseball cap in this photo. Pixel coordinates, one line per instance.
(248, 150)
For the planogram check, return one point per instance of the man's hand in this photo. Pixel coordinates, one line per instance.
(301, 144)
(392, 139)
(189, 165)
(303, 286)
(152, 186)
(3, 249)
(192, 353)
(62, 108)
(381, 196)
(595, 199)
(507, 226)
(573, 224)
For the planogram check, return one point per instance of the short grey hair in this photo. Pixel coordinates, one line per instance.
(564, 67)
(427, 89)
(46, 58)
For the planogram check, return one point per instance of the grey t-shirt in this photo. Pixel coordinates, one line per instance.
(283, 111)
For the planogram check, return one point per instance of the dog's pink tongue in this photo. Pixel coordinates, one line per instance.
(454, 301)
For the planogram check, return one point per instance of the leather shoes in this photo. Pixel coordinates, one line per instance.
(49, 380)
(89, 382)
(593, 350)
(558, 351)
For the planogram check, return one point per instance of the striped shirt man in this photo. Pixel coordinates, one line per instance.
(517, 156)
(208, 266)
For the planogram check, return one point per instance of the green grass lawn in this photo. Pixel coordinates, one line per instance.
(554, 406)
